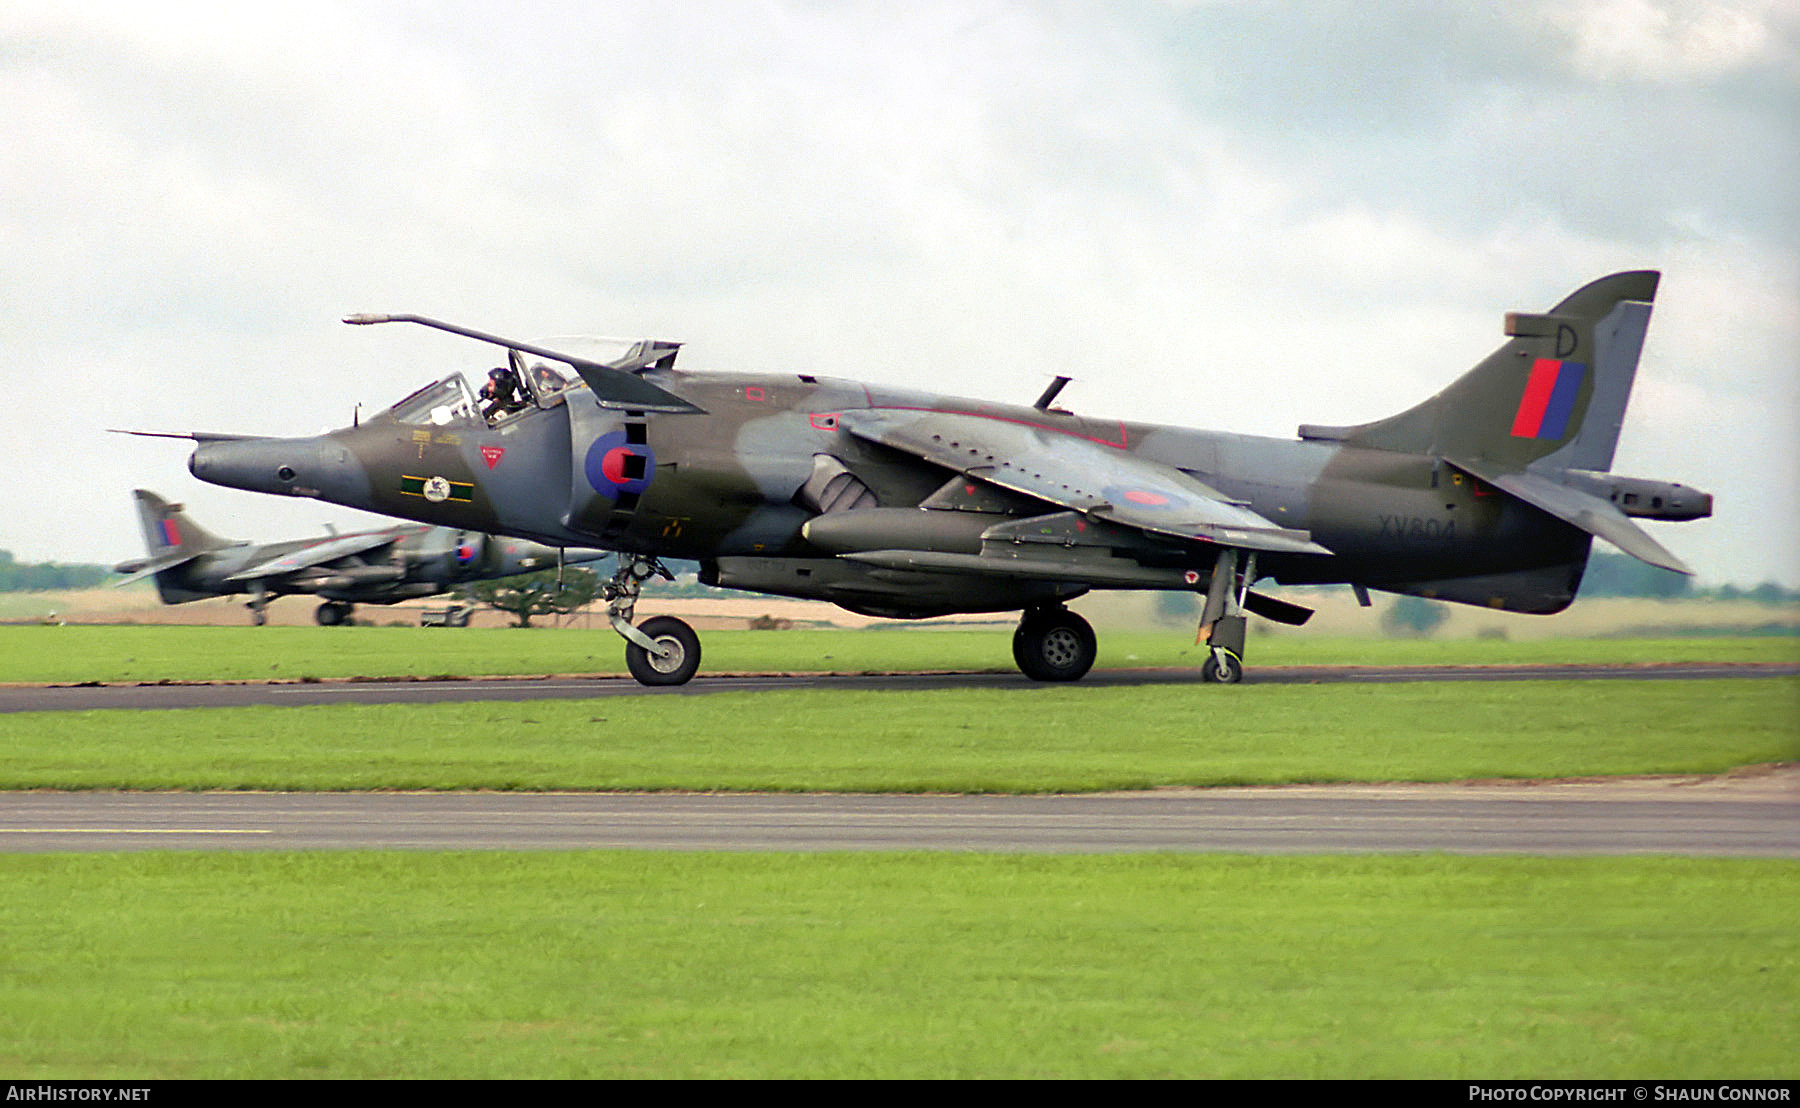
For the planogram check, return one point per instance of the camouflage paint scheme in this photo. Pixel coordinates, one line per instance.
(188, 562)
(914, 505)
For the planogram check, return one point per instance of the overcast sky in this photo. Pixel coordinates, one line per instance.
(1237, 214)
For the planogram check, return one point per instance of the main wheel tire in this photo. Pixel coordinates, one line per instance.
(680, 663)
(1222, 668)
(1054, 644)
(332, 613)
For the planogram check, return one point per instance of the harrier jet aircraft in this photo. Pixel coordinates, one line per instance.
(369, 567)
(909, 505)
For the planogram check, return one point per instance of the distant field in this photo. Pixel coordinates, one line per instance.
(156, 653)
(645, 965)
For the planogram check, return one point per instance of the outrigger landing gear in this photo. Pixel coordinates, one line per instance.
(1053, 644)
(662, 650)
(259, 607)
(1222, 620)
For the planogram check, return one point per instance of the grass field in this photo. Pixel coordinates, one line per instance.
(1028, 739)
(602, 964)
(102, 653)
(648, 965)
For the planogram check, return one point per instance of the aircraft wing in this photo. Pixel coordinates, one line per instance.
(329, 550)
(1098, 480)
(1591, 513)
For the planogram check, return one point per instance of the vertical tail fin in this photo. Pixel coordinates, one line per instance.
(167, 528)
(1539, 419)
(1556, 391)
(173, 540)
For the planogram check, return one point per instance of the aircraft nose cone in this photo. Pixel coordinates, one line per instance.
(315, 467)
(256, 465)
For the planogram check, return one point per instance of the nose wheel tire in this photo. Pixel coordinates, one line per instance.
(679, 656)
(1054, 645)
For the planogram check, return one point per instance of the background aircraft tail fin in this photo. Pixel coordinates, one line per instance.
(1555, 393)
(173, 540)
(168, 529)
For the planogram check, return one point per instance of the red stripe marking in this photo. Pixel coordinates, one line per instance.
(1530, 416)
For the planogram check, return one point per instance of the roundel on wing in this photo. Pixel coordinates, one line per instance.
(614, 466)
(1142, 498)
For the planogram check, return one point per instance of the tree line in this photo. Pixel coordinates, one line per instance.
(17, 576)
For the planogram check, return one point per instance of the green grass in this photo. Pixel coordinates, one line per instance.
(610, 965)
(605, 965)
(145, 653)
(1028, 739)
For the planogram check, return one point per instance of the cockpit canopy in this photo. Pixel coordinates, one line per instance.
(442, 402)
(535, 381)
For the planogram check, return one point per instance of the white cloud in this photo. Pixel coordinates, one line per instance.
(1672, 40)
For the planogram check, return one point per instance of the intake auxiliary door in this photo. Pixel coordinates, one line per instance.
(612, 465)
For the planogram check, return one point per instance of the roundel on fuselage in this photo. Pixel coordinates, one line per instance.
(614, 466)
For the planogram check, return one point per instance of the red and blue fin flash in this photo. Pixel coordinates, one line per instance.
(1549, 399)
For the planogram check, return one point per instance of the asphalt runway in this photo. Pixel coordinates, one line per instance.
(1755, 814)
(137, 697)
(1751, 814)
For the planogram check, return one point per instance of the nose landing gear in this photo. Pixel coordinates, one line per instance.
(662, 650)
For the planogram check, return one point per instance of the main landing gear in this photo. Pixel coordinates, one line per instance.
(1053, 644)
(662, 650)
(333, 613)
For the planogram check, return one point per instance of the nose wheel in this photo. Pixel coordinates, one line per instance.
(675, 655)
(662, 650)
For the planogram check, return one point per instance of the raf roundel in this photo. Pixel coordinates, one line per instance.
(1142, 498)
(614, 466)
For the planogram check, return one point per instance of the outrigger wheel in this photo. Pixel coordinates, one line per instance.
(1053, 644)
(677, 656)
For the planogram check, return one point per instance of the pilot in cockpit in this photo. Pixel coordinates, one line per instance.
(501, 394)
(547, 380)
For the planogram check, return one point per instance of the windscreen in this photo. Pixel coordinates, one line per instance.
(445, 401)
